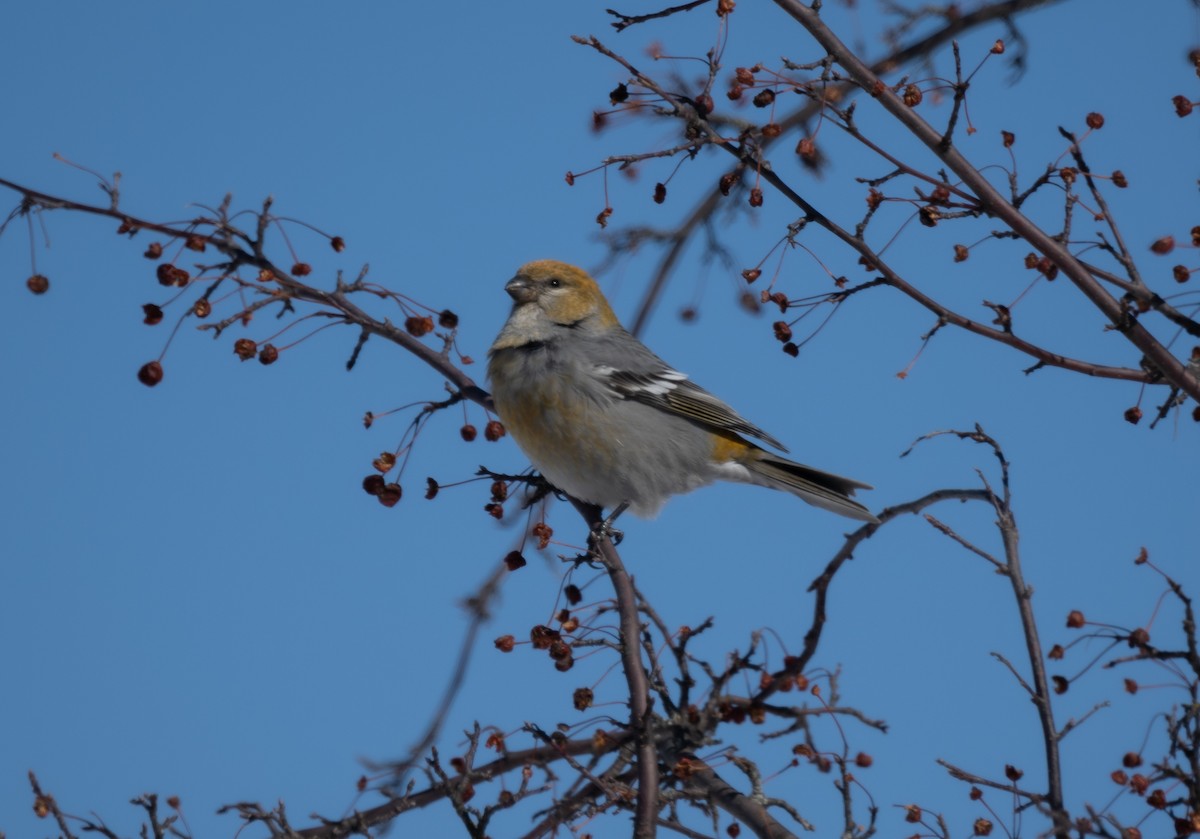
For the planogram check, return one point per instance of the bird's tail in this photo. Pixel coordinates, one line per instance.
(821, 489)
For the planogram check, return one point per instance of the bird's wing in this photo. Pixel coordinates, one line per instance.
(671, 391)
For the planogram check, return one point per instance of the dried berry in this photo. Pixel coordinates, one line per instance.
(202, 308)
(418, 326)
(389, 496)
(153, 251)
(447, 319)
(513, 560)
(268, 354)
(772, 130)
(1163, 246)
(751, 274)
(166, 274)
(660, 193)
(505, 643)
(195, 243)
(384, 462)
(618, 94)
(1183, 106)
(151, 314)
(1119, 180)
(38, 283)
(1095, 120)
(573, 594)
(338, 244)
(726, 183)
(783, 332)
(493, 431)
(764, 98)
(756, 197)
(912, 96)
(542, 637)
(431, 489)
(961, 252)
(1009, 138)
(1133, 415)
(245, 349)
(582, 699)
(150, 373)
(1075, 619)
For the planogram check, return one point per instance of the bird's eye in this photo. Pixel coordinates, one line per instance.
(555, 282)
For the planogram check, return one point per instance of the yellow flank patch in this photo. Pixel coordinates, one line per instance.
(730, 447)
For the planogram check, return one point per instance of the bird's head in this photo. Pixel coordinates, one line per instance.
(562, 293)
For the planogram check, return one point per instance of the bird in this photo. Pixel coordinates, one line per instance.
(609, 423)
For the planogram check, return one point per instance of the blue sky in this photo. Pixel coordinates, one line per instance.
(196, 597)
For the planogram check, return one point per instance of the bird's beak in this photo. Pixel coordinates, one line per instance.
(520, 289)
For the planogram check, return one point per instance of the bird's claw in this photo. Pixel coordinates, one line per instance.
(605, 530)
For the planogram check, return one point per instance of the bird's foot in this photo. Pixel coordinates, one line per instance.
(606, 529)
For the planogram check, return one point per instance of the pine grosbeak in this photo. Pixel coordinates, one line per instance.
(608, 422)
